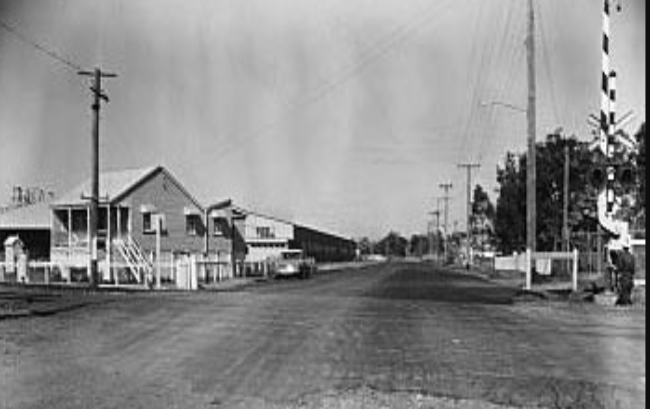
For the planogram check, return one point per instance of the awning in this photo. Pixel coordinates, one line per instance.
(147, 208)
(219, 214)
(192, 211)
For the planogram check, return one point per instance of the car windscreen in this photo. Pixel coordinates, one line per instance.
(291, 256)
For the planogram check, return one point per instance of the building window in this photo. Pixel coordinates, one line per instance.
(193, 225)
(220, 226)
(147, 222)
(264, 233)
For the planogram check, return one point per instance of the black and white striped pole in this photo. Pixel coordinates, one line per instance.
(611, 170)
(605, 96)
(607, 197)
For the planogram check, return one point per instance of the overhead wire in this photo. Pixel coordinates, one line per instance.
(486, 117)
(492, 54)
(480, 52)
(39, 47)
(507, 80)
(376, 52)
(548, 68)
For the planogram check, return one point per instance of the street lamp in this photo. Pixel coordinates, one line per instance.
(531, 180)
(504, 105)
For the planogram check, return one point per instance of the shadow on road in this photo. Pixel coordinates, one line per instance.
(427, 283)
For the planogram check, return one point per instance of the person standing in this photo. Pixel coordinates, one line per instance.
(626, 268)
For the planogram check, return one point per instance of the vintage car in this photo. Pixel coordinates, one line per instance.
(292, 263)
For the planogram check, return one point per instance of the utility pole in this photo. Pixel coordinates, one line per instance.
(98, 95)
(565, 213)
(531, 177)
(469, 167)
(435, 214)
(446, 187)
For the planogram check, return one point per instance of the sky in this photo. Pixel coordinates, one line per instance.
(344, 115)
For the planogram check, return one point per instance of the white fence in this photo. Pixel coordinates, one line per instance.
(182, 273)
(516, 262)
(542, 264)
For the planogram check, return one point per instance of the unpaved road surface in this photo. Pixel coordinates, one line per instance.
(390, 336)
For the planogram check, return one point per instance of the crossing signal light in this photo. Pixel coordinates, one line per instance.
(626, 176)
(598, 177)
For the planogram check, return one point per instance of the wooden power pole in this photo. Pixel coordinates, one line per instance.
(469, 167)
(531, 177)
(98, 95)
(434, 232)
(446, 187)
(565, 211)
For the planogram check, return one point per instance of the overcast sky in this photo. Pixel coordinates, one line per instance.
(341, 114)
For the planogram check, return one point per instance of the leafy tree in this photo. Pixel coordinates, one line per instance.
(639, 159)
(393, 245)
(419, 245)
(482, 219)
(365, 246)
(510, 221)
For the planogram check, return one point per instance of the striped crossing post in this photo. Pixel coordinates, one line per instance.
(604, 101)
(607, 113)
(611, 171)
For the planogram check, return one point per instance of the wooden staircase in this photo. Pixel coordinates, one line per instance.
(138, 264)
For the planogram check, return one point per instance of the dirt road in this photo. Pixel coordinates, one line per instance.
(396, 336)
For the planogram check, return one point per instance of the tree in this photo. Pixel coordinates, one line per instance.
(393, 245)
(365, 246)
(639, 160)
(510, 223)
(419, 245)
(510, 220)
(482, 219)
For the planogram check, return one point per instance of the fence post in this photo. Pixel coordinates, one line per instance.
(529, 270)
(193, 278)
(575, 269)
(22, 273)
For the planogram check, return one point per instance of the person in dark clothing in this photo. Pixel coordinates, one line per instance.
(626, 268)
(612, 270)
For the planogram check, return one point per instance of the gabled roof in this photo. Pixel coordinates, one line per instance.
(111, 185)
(115, 185)
(36, 216)
(238, 211)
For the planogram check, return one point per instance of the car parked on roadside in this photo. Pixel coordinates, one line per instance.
(293, 263)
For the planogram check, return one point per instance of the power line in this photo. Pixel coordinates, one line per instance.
(507, 80)
(547, 66)
(41, 48)
(375, 53)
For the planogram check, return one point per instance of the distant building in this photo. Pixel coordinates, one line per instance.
(31, 223)
(258, 237)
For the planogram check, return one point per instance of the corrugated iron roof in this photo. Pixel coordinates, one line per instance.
(112, 184)
(36, 216)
